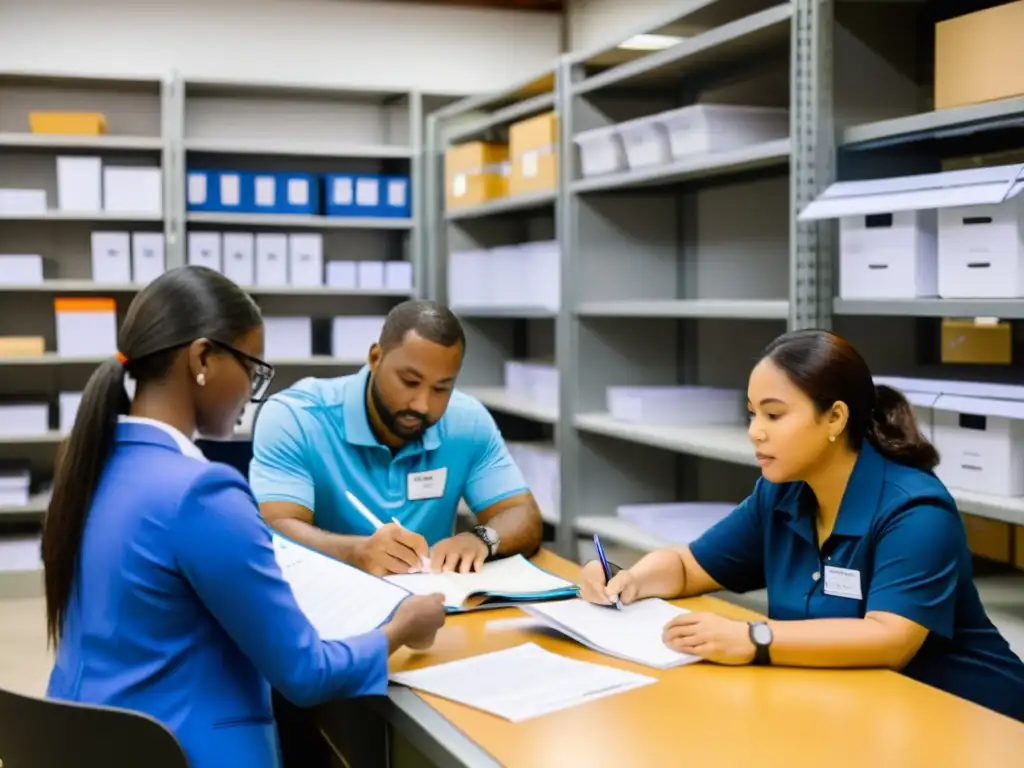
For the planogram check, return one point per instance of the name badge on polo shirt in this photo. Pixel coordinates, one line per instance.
(842, 582)
(426, 485)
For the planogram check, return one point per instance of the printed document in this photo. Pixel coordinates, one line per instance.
(632, 633)
(339, 600)
(513, 578)
(521, 682)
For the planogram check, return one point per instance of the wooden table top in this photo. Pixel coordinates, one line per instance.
(704, 715)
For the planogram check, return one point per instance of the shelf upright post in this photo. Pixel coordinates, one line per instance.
(173, 110)
(812, 163)
(421, 216)
(567, 346)
(434, 250)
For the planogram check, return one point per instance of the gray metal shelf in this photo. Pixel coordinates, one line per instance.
(298, 149)
(505, 205)
(688, 308)
(771, 154)
(938, 124)
(88, 287)
(501, 117)
(500, 399)
(1002, 308)
(105, 142)
(297, 220)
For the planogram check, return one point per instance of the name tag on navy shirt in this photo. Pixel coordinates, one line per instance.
(426, 485)
(842, 582)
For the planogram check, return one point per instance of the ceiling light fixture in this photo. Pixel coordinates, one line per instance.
(649, 42)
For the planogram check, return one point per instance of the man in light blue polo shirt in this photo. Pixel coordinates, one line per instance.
(400, 439)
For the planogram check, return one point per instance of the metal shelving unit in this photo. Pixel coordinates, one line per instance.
(181, 123)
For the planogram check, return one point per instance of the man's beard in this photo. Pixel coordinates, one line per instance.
(390, 418)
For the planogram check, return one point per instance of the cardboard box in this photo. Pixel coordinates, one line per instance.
(533, 145)
(977, 56)
(1018, 547)
(977, 341)
(990, 539)
(475, 173)
(69, 123)
(22, 346)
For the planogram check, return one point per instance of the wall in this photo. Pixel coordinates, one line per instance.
(598, 22)
(347, 42)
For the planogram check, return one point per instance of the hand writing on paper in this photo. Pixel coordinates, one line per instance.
(463, 553)
(711, 637)
(392, 549)
(593, 588)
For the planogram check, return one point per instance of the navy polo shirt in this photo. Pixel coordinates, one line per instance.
(898, 534)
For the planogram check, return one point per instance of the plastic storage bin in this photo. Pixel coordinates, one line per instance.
(645, 141)
(601, 151)
(703, 128)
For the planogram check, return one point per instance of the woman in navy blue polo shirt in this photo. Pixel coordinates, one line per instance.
(861, 549)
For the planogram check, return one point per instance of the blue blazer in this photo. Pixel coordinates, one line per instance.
(179, 609)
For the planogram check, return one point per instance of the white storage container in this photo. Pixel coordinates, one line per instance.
(543, 264)
(398, 275)
(204, 250)
(14, 487)
(287, 337)
(111, 257)
(981, 250)
(645, 141)
(679, 406)
(306, 259)
(703, 128)
(271, 259)
(147, 256)
(68, 403)
(341, 274)
(370, 275)
(79, 184)
(468, 283)
(21, 269)
(24, 419)
(981, 442)
(889, 255)
(240, 257)
(352, 336)
(601, 151)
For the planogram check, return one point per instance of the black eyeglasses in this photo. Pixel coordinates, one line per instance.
(261, 373)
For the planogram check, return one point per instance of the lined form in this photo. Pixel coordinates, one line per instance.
(522, 682)
(338, 599)
(632, 633)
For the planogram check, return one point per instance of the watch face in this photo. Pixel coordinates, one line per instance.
(762, 634)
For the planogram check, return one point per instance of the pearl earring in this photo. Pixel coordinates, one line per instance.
(201, 379)
(831, 438)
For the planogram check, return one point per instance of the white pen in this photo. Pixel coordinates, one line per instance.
(375, 521)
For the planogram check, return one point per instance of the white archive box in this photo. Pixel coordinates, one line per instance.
(506, 271)
(601, 151)
(981, 249)
(24, 419)
(21, 269)
(14, 487)
(981, 443)
(86, 327)
(147, 256)
(889, 255)
(645, 141)
(705, 128)
(542, 263)
(111, 257)
(539, 464)
(285, 337)
(271, 259)
(976, 256)
(79, 184)
(22, 202)
(675, 405)
(306, 259)
(133, 190)
(370, 275)
(353, 335)
(398, 275)
(204, 250)
(239, 252)
(341, 274)
(532, 379)
(67, 405)
(468, 285)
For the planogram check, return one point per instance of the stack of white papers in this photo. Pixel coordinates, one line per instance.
(521, 682)
(632, 633)
(512, 580)
(339, 600)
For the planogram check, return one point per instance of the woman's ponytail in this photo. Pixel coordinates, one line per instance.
(80, 462)
(894, 433)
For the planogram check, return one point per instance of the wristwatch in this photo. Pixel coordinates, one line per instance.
(488, 536)
(761, 637)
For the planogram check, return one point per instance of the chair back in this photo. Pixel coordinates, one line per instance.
(45, 733)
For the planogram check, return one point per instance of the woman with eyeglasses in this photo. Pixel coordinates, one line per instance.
(163, 595)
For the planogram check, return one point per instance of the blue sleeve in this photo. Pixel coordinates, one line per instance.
(917, 561)
(279, 471)
(225, 551)
(493, 475)
(732, 550)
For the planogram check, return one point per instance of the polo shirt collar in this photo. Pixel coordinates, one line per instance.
(857, 509)
(357, 420)
(138, 429)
